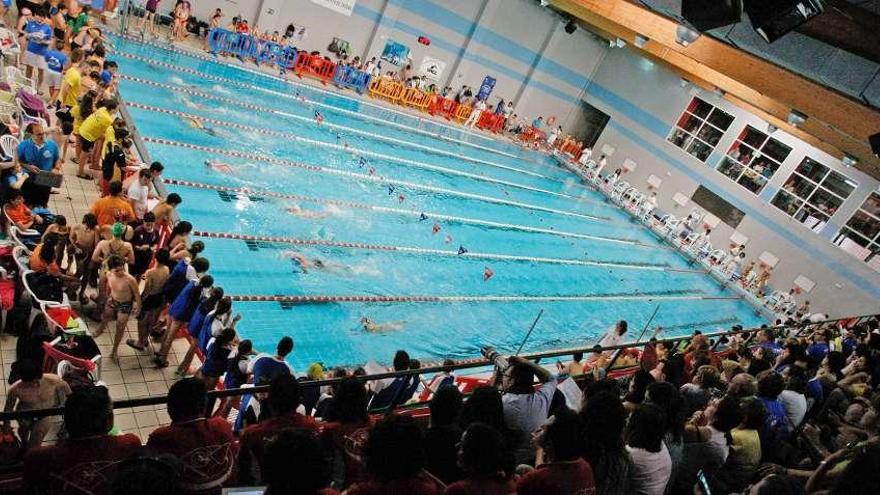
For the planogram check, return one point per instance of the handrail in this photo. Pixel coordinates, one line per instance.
(461, 365)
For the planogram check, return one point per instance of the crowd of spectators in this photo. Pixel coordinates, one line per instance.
(754, 414)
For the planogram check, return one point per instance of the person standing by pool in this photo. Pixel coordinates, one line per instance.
(124, 298)
(38, 33)
(267, 367)
(152, 299)
(93, 129)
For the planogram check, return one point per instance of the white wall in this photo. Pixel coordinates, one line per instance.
(644, 100)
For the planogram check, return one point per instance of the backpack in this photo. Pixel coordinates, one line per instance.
(46, 287)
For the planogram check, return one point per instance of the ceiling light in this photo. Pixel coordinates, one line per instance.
(796, 118)
(684, 35)
(771, 128)
(641, 41)
(849, 160)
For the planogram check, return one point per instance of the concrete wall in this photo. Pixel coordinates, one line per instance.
(549, 72)
(644, 100)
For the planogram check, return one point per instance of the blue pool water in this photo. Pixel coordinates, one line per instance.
(551, 243)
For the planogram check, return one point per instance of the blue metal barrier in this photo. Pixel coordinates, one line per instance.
(245, 47)
(351, 78)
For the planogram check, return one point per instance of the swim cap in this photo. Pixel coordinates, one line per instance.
(315, 371)
(106, 76)
(117, 230)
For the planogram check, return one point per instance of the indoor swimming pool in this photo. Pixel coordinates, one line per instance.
(449, 238)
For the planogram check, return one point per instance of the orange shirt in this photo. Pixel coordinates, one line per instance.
(38, 265)
(20, 213)
(112, 209)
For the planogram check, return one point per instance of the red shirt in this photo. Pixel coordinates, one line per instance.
(253, 441)
(421, 484)
(492, 485)
(347, 440)
(78, 466)
(205, 447)
(558, 478)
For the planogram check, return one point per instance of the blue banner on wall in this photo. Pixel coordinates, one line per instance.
(486, 88)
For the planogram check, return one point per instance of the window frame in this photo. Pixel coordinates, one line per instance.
(754, 153)
(872, 259)
(805, 203)
(691, 137)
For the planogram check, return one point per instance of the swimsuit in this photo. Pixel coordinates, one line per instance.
(119, 306)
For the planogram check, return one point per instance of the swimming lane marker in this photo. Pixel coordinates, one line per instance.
(684, 296)
(373, 178)
(438, 252)
(357, 151)
(400, 211)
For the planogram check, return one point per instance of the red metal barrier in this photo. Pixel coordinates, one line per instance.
(489, 121)
(314, 66)
(443, 106)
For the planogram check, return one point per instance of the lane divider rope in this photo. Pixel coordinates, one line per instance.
(193, 92)
(311, 102)
(357, 151)
(684, 295)
(335, 94)
(441, 252)
(401, 211)
(372, 178)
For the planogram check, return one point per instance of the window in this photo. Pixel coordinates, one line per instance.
(753, 159)
(813, 193)
(699, 129)
(861, 234)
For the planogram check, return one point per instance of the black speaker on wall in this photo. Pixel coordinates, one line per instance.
(875, 143)
(772, 19)
(710, 14)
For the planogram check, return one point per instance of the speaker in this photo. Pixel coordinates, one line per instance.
(875, 144)
(710, 14)
(772, 19)
(570, 27)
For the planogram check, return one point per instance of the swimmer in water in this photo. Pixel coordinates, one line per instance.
(298, 211)
(305, 264)
(319, 117)
(373, 327)
(223, 168)
(198, 124)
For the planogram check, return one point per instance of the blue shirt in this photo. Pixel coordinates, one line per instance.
(817, 351)
(43, 157)
(266, 366)
(536, 124)
(55, 60)
(45, 34)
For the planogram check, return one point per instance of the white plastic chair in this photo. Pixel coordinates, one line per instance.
(9, 143)
(16, 79)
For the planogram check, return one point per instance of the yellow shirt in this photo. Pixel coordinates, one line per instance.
(94, 127)
(77, 118)
(73, 78)
(109, 139)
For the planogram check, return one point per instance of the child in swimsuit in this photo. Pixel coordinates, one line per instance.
(123, 299)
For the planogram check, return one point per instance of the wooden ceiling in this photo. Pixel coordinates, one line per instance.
(835, 124)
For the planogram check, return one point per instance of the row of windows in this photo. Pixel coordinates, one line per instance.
(812, 194)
